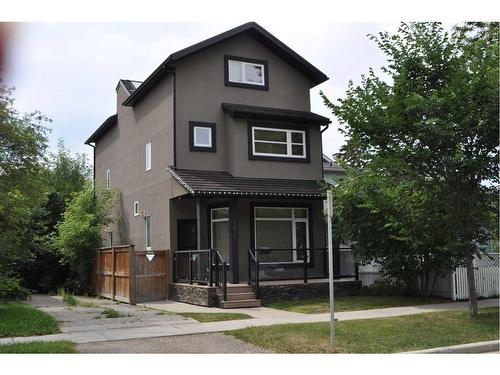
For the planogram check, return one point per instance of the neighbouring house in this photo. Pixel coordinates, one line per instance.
(218, 159)
(332, 172)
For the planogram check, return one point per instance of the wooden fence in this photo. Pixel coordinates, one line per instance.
(132, 276)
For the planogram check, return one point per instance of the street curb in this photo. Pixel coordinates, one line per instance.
(476, 347)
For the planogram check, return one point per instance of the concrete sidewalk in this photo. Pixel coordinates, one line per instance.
(262, 317)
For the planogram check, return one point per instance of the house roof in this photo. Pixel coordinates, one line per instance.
(253, 29)
(105, 126)
(130, 85)
(278, 114)
(217, 183)
(330, 165)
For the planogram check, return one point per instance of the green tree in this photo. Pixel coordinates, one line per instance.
(42, 269)
(79, 233)
(23, 141)
(432, 127)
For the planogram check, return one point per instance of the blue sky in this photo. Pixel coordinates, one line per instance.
(69, 71)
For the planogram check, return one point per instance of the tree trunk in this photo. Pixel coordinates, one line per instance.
(469, 262)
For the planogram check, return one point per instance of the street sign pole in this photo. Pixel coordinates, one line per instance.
(330, 266)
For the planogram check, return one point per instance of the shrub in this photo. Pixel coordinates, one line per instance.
(79, 234)
(384, 287)
(11, 290)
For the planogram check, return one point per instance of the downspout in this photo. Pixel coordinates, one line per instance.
(93, 164)
(322, 169)
(174, 115)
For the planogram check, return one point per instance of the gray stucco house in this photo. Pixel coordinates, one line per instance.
(218, 149)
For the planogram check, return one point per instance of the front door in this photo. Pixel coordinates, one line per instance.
(186, 235)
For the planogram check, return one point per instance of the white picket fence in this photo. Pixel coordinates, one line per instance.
(486, 276)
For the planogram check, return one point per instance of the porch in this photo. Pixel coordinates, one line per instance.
(232, 234)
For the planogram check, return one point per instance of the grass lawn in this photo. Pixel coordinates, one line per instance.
(55, 347)
(321, 305)
(215, 317)
(385, 335)
(19, 319)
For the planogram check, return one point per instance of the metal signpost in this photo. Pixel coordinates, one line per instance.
(329, 199)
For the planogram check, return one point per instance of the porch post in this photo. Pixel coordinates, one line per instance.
(233, 240)
(201, 224)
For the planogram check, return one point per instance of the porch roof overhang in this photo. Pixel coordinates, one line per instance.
(221, 183)
(249, 112)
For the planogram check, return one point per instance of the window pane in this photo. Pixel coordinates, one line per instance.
(202, 136)
(220, 213)
(274, 234)
(271, 148)
(220, 238)
(297, 137)
(282, 213)
(300, 213)
(269, 135)
(253, 73)
(235, 71)
(297, 150)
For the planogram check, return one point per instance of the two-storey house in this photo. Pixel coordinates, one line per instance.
(218, 149)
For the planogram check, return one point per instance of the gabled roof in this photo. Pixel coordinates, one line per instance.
(220, 183)
(105, 126)
(277, 114)
(252, 28)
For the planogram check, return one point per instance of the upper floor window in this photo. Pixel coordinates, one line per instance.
(148, 156)
(243, 72)
(202, 136)
(278, 143)
(108, 179)
(136, 208)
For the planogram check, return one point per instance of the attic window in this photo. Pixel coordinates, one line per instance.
(245, 72)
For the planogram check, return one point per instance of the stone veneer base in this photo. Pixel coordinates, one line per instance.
(194, 294)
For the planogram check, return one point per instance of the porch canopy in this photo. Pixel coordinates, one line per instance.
(220, 183)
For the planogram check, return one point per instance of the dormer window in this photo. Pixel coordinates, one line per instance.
(245, 72)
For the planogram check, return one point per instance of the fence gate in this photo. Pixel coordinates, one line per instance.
(132, 276)
(486, 276)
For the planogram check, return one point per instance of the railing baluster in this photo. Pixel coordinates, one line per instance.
(224, 281)
(305, 265)
(190, 268)
(249, 268)
(257, 276)
(210, 280)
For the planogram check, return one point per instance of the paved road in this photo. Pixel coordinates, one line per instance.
(202, 343)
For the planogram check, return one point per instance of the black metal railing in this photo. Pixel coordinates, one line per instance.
(267, 264)
(205, 266)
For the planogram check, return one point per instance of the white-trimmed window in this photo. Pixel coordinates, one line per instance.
(148, 156)
(108, 179)
(136, 208)
(283, 228)
(276, 142)
(249, 73)
(202, 136)
(149, 233)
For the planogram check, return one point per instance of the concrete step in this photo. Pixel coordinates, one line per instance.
(239, 288)
(241, 303)
(240, 296)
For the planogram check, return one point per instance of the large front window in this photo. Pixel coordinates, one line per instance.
(276, 142)
(284, 229)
